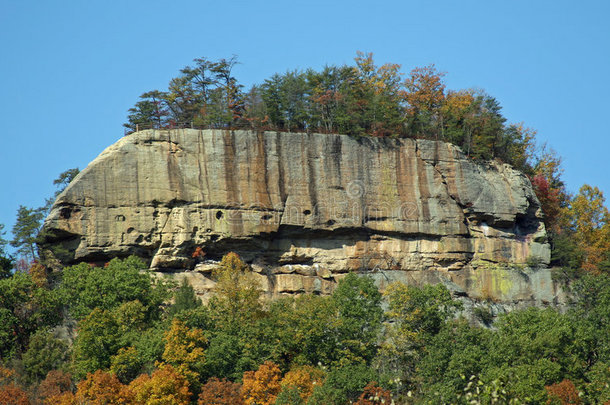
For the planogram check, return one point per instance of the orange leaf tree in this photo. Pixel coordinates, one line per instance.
(102, 388)
(373, 395)
(563, 393)
(56, 383)
(12, 395)
(304, 378)
(262, 386)
(220, 392)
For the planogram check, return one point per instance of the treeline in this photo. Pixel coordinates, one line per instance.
(106, 335)
(359, 100)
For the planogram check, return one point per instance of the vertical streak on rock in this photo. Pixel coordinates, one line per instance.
(173, 170)
(201, 175)
(230, 167)
(263, 196)
(280, 165)
(424, 191)
(310, 150)
(232, 173)
(335, 163)
(413, 159)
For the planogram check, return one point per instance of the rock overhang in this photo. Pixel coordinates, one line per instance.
(330, 201)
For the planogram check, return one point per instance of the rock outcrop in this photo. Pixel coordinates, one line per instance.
(304, 209)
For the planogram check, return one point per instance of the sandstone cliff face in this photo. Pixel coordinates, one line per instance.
(304, 209)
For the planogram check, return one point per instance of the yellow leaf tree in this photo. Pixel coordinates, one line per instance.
(184, 349)
(237, 293)
(304, 378)
(591, 221)
(165, 386)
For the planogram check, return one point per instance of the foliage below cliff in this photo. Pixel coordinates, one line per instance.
(129, 348)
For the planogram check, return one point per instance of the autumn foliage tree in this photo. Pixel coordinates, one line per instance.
(424, 95)
(164, 386)
(185, 350)
(101, 388)
(220, 392)
(304, 379)
(591, 223)
(56, 383)
(374, 395)
(563, 393)
(262, 386)
(237, 293)
(13, 395)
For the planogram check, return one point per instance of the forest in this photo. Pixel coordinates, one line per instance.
(116, 334)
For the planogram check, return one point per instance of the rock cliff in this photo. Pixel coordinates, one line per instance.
(304, 209)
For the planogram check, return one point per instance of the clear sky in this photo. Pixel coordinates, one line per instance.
(69, 70)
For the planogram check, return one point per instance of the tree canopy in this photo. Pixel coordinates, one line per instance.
(363, 99)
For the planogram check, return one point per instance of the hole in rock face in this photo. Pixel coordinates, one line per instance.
(214, 238)
(307, 212)
(266, 217)
(330, 222)
(219, 214)
(130, 230)
(65, 213)
(120, 218)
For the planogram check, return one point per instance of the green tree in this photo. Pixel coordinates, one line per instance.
(184, 299)
(6, 261)
(289, 395)
(457, 351)
(126, 364)
(65, 178)
(302, 330)
(149, 344)
(8, 339)
(416, 316)
(534, 348)
(359, 312)
(61, 182)
(150, 112)
(592, 313)
(286, 97)
(26, 304)
(25, 231)
(343, 385)
(3, 242)
(45, 353)
(86, 287)
(487, 125)
(97, 341)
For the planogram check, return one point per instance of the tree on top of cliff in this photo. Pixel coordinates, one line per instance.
(360, 100)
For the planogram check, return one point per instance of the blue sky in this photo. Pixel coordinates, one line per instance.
(70, 69)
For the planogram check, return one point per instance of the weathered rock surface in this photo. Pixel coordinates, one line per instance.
(305, 208)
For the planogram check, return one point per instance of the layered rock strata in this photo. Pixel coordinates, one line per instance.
(304, 209)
